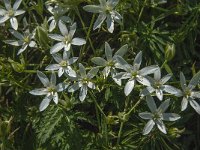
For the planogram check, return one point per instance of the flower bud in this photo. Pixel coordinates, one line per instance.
(175, 132)
(169, 51)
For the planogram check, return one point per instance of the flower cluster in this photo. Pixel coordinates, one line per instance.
(113, 64)
(157, 115)
(11, 13)
(106, 11)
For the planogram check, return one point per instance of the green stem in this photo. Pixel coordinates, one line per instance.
(140, 14)
(165, 62)
(35, 71)
(84, 28)
(87, 38)
(122, 122)
(97, 105)
(136, 104)
(98, 119)
(120, 132)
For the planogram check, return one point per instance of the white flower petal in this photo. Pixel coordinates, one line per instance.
(195, 105)
(159, 94)
(19, 12)
(22, 49)
(57, 57)
(148, 127)
(45, 103)
(110, 23)
(183, 81)
(123, 64)
(118, 81)
(55, 98)
(4, 19)
(194, 81)
(43, 78)
(157, 75)
(108, 51)
(74, 87)
(147, 91)
(151, 103)
(163, 107)
(32, 44)
(61, 87)
(40, 91)
(93, 8)
(117, 17)
(146, 115)
(103, 3)
(72, 60)
(14, 43)
(60, 72)
(148, 70)
(67, 47)
(56, 37)
(99, 21)
(2, 12)
(57, 47)
(66, 55)
(92, 72)
(53, 78)
(17, 4)
(195, 94)
(129, 87)
(72, 30)
(82, 70)
(7, 4)
(78, 41)
(170, 116)
(172, 90)
(91, 85)
(184, 104)
(14, 23)
(161, 126)
(165, 78)
(106, 71)
(70, 72)
(123, 50)
(113, 3)
(63, 28)
(83, 93)
(123, 75)
(16, 34)
(65, 19)
(137, 61)
(142, 80)
(52, 25)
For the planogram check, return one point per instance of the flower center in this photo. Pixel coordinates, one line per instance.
(85, 80)
(67, 39)
(51, 89)
(63, 63)
(110, 63)
(11, 13)
(157, 85)
(26, 39)
(156, 116)
(187, 93)
(134, 74)
(108, 9)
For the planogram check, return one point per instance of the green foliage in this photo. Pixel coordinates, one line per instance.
(168, 35)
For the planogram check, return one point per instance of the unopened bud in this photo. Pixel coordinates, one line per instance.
(170, 51)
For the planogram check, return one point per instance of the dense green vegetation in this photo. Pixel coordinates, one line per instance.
(166, 32)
